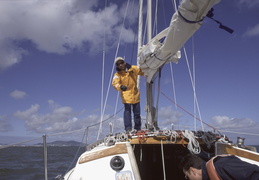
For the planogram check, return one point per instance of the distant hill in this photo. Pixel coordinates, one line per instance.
(62, 143)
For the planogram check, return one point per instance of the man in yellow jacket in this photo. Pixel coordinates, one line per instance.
(125, 80)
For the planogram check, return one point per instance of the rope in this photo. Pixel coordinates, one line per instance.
(102, 89)
(111, 75)
(163, 160)
(126, 49)
(173, 135)
(110, 140)
(141, 154)
(77, 152)
(193, 87)
(155, 20)
(121, 137)
(253, 134)
(189, 21)
(22, 142)
(194, 82)
(208, 138)
(116, 104)
(190, 113)
(193, 145)
(141, 136)
(173, 85)
(223, 139)
(68, 132)
(158, 96)
(175, 5)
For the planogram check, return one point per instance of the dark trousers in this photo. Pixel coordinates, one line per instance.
(127, 116)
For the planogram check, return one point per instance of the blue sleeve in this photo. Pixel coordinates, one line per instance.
(231, 167)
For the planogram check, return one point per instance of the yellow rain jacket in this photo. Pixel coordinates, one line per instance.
(128, 79)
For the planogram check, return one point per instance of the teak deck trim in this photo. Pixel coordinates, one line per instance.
(228, 149)
(156, 140)
(113, 150)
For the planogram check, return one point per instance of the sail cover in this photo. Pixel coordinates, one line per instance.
(165, 46)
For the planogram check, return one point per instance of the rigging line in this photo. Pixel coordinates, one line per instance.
(194, 82)
(158, 93)
(145, 32)
(155, 20)
(116, 53)
(149, 20)
(49, 135)
(165, 23)
(102, 90)
(253, 134)
(68, 132)
(77, 152)
(104, 49)
(163, 159)
(133, 47)
(22, 142)
(103, 63)
(193, 87)
(134, 40)
(139, 32)
(105, 119)
(116, 105)
(173, 84)
(171, 64)
(191, 114)
(174, 4)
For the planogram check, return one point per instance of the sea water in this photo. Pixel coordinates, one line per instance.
(27, 163)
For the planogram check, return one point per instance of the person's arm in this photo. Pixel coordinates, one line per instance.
(234, 168)
(116, 83)
(137, 70)
(140, 72)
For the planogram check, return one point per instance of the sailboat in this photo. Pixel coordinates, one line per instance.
(152, 153)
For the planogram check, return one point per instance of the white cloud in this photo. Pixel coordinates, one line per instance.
(58, 119)
(16, 94)
(225, 122)
(43, 123)
(167, 116)
(58, 27)
(29, 113)
(254, 31)
(5, 124)
(249, 3)
(9, 53)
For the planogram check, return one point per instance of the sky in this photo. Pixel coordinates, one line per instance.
(57, 60)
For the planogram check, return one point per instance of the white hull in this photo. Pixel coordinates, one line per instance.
(149, 156)
(96, 164)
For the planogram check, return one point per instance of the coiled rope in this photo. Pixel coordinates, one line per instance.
(193, 145)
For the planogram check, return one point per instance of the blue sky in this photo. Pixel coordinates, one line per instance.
(51, 60)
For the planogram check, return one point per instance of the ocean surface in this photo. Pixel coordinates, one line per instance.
(27, 163)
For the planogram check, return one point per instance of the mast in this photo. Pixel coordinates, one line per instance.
(140, 25)
(155, 54)
(151, 120)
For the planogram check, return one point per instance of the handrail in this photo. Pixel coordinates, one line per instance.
(22, 142)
